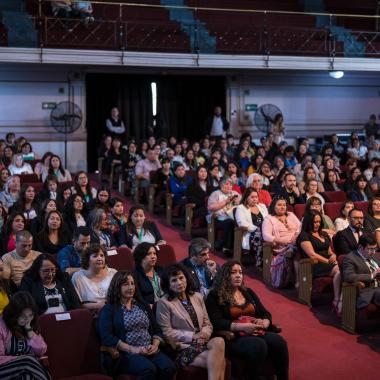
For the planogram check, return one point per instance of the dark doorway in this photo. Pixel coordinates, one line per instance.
(183, 104)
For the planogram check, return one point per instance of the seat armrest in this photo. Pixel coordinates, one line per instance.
(225, 334)
(359, 285)
(190, 205)
(44, 361)
(308, 261)
(242, 229)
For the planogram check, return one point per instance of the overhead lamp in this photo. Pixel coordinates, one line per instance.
(336, 74)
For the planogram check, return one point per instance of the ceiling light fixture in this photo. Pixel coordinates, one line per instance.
(336, 74)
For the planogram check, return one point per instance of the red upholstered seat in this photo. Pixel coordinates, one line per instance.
(335, 196)
(123, 260)
(362, 206)
(26, 178)
(166, 255)
(332, 209)
(38, 186)
(299, 210)
(73, 346)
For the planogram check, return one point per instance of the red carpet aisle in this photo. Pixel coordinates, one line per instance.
(317, 350)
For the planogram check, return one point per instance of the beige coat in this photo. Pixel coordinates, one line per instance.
(175, 321)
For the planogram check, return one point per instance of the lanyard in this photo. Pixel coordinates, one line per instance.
(140, 234)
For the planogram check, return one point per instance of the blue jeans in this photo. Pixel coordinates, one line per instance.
(153, 367)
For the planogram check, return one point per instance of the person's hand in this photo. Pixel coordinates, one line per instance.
(151, 349)
(138, 350)
(297, 191)
(264, 323)
(376, 272)
(332, 259)
(251, 328)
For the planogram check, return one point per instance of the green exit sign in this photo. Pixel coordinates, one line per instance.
(49, 105)
(250, 107)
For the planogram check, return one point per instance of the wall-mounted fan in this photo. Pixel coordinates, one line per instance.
(66, 118)
(265, 115)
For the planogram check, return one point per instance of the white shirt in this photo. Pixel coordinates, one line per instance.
(24, 169)
(91, 291)
(217, 127)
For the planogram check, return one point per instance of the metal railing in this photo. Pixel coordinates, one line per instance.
(249, 31)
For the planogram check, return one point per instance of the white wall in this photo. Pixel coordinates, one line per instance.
(313, 104)
(22, 91)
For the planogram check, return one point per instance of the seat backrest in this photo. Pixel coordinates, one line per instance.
(299, 210)
(38, 186)
(332, 209)
(27, 178)
(362, 206)
(335, 196)
(73, 344)
(166, 255)
(123, 260)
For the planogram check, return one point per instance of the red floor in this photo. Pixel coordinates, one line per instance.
(318, 348)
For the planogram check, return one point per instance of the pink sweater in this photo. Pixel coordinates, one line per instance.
(37, 344)
(273, 229)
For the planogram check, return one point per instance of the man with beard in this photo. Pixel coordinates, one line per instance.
(290, 191)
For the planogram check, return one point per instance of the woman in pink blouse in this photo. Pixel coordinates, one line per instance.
(281, 228)
(20, 344)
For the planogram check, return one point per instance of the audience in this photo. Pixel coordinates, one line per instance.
(341, 222)
(92, 281)
(233, 307)
(140, 230)
(181, 313)
(363, 265)
(128, 323)
(20, 343)
(7, 288)
(56, 169)
(147, 274)
(196, 263)
(290, 191)
(18, 261)
(26, 203)
(100, 229)
(11, 191)
(18, 166)
(75, 213)
(15, 223)
(51, 289)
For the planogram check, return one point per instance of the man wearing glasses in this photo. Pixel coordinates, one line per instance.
(363, 265)
(347, 240)
(18, 261)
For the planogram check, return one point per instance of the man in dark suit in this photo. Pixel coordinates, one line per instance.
(363, 265)
(347, 240)
(196, 263)
(216, 125)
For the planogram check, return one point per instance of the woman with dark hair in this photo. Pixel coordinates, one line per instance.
(372, 219)
(37, 223)
(20, 343)
(311, 190)
(83, 187)
(26, 203)
(15, 223)
(98, 222)
(178, 184)
(92, 281)
(241, 156)
(56, 169)
(276, 185)
(7, 288)
(43, 165)
(75, 213)
(316, 244)
(198, 191)
(182, 316)
(266, 174)
(51, 289)
(233, 307)
(330, 183)
(103, 197)
(250, 215)
(127, 323)
(341, 222)
(348, 185)
(49, 190)
(116, 156)
(361, 192)
(160, 180)
(63, 194)
(213, 177)
(53, 236)
(8, 155)
(233, 168)
(308, 175)
(256, 162)
(4, 175)
(189, 162)
(315, 204)
(140, 230)
(147, 273)
(118, 219)
(131, 159)
(281, 229)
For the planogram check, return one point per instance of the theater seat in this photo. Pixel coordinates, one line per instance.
(332, 209)
(27, 178)
(123, 260)
(299, 210)
(362, 206)
(73, 346)
(165, 255)
(335, 196)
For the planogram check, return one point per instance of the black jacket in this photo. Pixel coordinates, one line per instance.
(195, 194)
(194, 277)
(220, 315)
(345, 242)
(144, 284)
(209, 121)
(64, 285)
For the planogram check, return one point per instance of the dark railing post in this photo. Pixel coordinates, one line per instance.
(332, 41)
(265, 34)
(122, 31)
